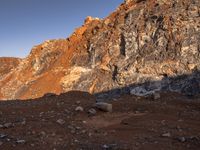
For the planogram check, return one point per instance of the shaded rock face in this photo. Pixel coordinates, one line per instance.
(154, 44)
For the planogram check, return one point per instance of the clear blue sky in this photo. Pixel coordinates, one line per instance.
(25, 23)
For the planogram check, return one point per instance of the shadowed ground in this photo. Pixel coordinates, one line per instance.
(51, 122)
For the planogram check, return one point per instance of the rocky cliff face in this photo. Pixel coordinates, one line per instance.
(153, 44)
(7, 64)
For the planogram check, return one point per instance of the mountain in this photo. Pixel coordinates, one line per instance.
(150, 44)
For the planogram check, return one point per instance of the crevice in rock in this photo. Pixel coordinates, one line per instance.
(123, 45)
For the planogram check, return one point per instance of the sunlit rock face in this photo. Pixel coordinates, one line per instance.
(7, 64)
(153, 44)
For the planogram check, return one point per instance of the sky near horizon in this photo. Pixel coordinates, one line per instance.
(25, 23)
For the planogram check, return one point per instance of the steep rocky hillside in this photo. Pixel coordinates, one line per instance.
(153, 44)
(7, 64)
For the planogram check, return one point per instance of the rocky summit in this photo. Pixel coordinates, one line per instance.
(142, 47)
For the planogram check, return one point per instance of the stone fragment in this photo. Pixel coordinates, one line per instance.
(92, 111)
(140, 91)
(78, 102)
(182, 139)
(156, 95)
(60, 121)
(20, 141)
(8, 125)
(104, 106)
(2, 136)
(166, 134)
(79, 108)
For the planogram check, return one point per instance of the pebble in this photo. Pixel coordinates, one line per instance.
(182, 139)
(20, 141)
(23, 122)
(105, 146)
(104, 106)
(92, 111)
(8, 125)
(66, 111)
(2, 136)
(166, 134)
(43, 133)
(78, 102)
(79, 108)
(156, 95)
(1, 143)
(1, 126)
(60, 121)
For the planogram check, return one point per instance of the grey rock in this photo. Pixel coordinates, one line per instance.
(8, 125)
(2, 136)
(42, 133)
(78, 102)
(105, 147)
(92, 111)
(156, 95)
(60, 121)
(20, 141)
(166, 134)
(104, 106)
(140, 91)
(79, 108)
(182, 139)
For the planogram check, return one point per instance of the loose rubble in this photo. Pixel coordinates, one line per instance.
(133, 123)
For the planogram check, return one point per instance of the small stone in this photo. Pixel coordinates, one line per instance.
(33, 132)
(92, 111)
(8, 140)
(78, 102)
(79, 108)
(66, 111)
(20, 141)
(1, 143)
(105, 147)
(60, 121)
(182, 139)
(166, 134)
(8, 125)
(156, 95)
(1, 126)
(104, 106)
(23, 122)
(76, 141)
(42, 133)
(2, 136)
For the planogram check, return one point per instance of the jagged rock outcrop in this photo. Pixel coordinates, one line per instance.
(154, 44)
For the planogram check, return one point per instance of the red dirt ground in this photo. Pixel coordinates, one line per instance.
(171, 123)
